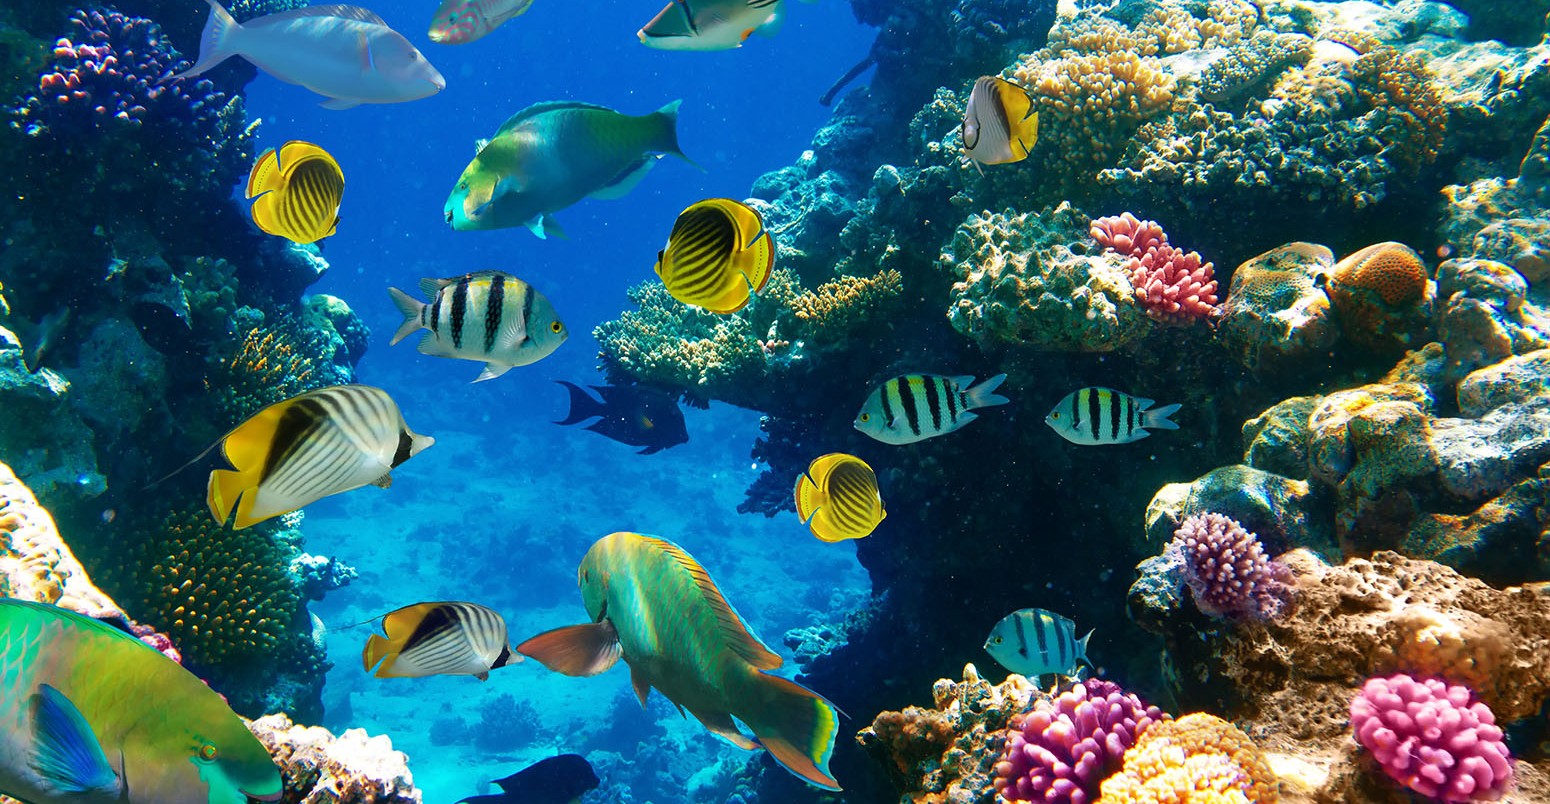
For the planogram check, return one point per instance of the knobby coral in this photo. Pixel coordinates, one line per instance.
(1063, 749)
(1174, 286)
(1434, 738)
(1197, 759)
(1227, 571)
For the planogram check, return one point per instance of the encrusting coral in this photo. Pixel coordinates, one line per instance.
(1197, 759)
(320, 768)
(35, 563)
(1277, 311)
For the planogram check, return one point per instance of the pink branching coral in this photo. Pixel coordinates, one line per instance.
(1061, 752)
(1174, 286)
(1433, 738)
(1227, 571)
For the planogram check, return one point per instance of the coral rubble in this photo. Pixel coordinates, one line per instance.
(320, 768)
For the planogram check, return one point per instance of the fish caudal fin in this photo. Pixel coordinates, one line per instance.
(215, 44)
(412, 309)
(1081, 649)
(582, 405)
(984, 395)
(575, 650)
(1158, 419)
(796, 725)
(668, 141)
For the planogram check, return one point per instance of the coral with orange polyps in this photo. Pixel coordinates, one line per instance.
(1197, 759)
(1392, 271)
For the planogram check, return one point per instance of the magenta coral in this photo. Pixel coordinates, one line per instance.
(1227, 570)
(1433, 738)
(1063, 750)
(1174, 286)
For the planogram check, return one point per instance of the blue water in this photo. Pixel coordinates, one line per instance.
(502, 508)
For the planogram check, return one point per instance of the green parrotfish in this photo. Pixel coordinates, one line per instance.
(654, 606)
(91, 715)
(553, 154)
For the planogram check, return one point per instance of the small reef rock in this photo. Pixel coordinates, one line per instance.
(320, 768)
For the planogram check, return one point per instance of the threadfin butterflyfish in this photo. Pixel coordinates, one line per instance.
(914, 407)
(1096, 416)
(1035, 642)
(298, 451)
(653, 605)
(1000, 124)
(489, 317)
(90, 713)
(838, 498)
(298, 188)
(711, 24)
(441, 638)
(717, 256)
(458, 22)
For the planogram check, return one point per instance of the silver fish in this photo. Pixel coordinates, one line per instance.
(915, 407)
(1096, 416)
(442, 638)
(1035, 642)
(491, 317)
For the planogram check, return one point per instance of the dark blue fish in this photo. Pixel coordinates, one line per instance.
(630, 414)
(555, 780)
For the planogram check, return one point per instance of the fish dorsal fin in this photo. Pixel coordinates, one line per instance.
(479, 146)
(546, 106)
(339, 11)
(733, 630)
(430, 286)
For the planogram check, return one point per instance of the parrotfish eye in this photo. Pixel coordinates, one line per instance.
(866, 417)
(555, 327)
(208, 753)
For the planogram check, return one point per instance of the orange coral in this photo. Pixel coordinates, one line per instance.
(1197, 759)
(1391, 270)
(1402, 86)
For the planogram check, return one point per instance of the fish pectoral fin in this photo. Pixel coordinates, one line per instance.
(364, 45)
(641, 685)
(492, 370)
(720, 723)
(68, 756)
(340, 103)
(576, 650)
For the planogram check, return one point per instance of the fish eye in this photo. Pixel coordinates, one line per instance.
(208, 753)
(555, 326)
(866, 417)
(1054, 415)
(998, 640)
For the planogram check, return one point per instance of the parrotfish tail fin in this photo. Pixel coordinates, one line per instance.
(796, 725)
(215, 44)
(575, 650)
(1158, 418)
(582, 405)
(377, 647)
(984, 395)
(69, 756)
(668, 142)
(411, 308)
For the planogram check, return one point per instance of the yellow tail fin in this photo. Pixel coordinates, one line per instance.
(796, 725)
(377, 646)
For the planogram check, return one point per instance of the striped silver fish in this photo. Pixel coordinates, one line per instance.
(296, 452)
(1106, 416)
(914, 407)
(494, 318)
(1035, 642)
(441, 638)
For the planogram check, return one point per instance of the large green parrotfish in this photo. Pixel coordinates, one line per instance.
(553, 154)
(654, 606)
(91, 715)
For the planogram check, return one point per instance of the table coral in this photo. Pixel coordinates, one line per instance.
(318, 767)
(1433, 738)
(1174, 286)
(948, 753)
(1061, 751)
(1228, 573)
(1276, 309)
(1197, 759)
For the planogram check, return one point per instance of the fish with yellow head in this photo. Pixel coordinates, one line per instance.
(92, 715)
(655, 607)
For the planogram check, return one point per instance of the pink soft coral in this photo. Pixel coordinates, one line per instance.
(1174, 286)
(1433, 738)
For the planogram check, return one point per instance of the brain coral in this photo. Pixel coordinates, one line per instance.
(1197, 759)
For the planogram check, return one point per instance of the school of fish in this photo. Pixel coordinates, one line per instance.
(649, 603)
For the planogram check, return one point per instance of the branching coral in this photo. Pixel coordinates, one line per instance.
(1228, 573)
(1197, 759)
(1174, 286)
(842, 303)
(667, 343)
(273, 363)
(1062, 750)
(1433, 738)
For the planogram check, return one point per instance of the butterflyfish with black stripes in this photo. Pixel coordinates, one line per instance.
(651, 604)
(1000, 124)
(837, 498)
(296, 452)
(298, 188)
(717, 256)
(1035, 642)
(491, 317)
(448, 638)
(915, 407)
(1107, 416)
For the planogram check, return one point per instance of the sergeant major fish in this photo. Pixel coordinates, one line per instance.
(91, 715)
(441, 638)
(1105, 416)
(298, 190)
(654, 606)
(458, 22)
(346, 53)
(915, 407)
(1035, 642)
(490, 317)
(1000, 124)
(551, 155)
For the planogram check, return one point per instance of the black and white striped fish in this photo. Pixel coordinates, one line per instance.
(1035, 642)
(494, 318)
(296, 452)
(914, 407)
(441, 638)
(1106, 416)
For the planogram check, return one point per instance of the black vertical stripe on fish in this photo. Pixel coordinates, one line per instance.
(887, 406)
(1076, 412)
(436, 314)
(296, 423)
(1090, 401)
(527, 310)
(908, 403)
(1022, 638)
(933, 401)
(493, 308)
(1038, 631)
(459, 310)
(952, 401)
(1122, 419)
(1060, 642)
(1135, 413)
(1113, 405)
(405, 443)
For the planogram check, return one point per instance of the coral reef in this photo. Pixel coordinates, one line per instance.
(1197, 758)
(320, 768)
(1277, 312)
(1433, 738)
(1228, 574)
(1062, 750)
(35, 563)
(1381, 293)
(1174, 286)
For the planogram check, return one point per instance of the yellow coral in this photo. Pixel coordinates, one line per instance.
(270, 364)
(841, 303)
(35, 562)
(1391, 271)
(1403, 87)
(1197, 759)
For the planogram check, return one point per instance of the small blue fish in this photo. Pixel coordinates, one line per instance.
(1035, 642)
(1106, 416)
